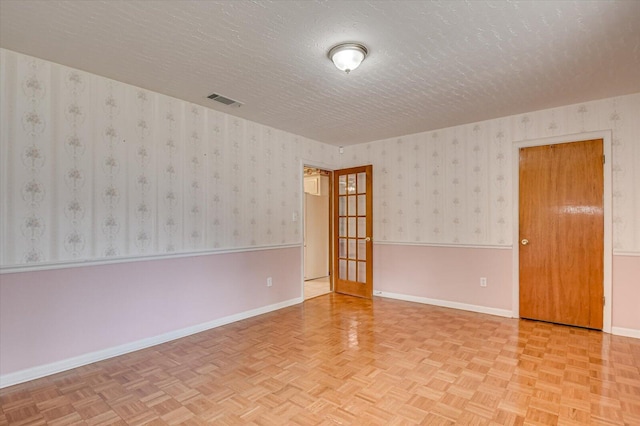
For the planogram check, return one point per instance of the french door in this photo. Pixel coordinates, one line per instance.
(353, 230)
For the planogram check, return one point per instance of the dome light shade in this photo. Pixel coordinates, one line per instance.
(348, 56)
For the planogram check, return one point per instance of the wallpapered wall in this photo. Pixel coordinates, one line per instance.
(453, 186)
(93, 168)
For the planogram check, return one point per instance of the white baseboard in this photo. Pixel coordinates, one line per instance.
(67, 364)
(78, 361)
(446, 304)
(619, 331)
(628, 332)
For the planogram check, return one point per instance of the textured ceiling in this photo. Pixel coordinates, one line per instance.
(431, 64)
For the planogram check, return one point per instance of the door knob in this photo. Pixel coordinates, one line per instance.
(524, 241)
(367, 239)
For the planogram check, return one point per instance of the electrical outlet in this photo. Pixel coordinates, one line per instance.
(377, 292)
(483, 281)
(269, 281)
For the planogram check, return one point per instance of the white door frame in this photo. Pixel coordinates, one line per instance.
(318, 165)
(605, 135)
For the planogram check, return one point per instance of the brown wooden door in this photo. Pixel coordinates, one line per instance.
(353, 229)
(562, 233)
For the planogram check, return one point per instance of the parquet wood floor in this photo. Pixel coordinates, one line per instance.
(341, 360)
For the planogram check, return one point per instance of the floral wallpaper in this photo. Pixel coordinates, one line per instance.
(453, 186)
(92, 168)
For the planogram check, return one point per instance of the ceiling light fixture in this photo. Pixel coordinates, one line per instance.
(348, 56)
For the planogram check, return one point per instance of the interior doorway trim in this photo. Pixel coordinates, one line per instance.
(606, 137)
(317, 165)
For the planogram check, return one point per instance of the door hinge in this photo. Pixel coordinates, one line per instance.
(603, 159)
(603, 301)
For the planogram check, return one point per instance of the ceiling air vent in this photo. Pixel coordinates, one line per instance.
(223, 100)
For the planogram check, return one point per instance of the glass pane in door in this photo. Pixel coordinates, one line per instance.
(362, 272)
(362, 183)
(362, 227)
(351, 184)
(343, 269)
(351, 210)
(342, 227)
(351, 229)
(362, 204)
(352, 249)
(352, 270)
(362, 250)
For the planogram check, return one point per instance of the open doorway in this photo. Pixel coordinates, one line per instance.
(317, 232)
